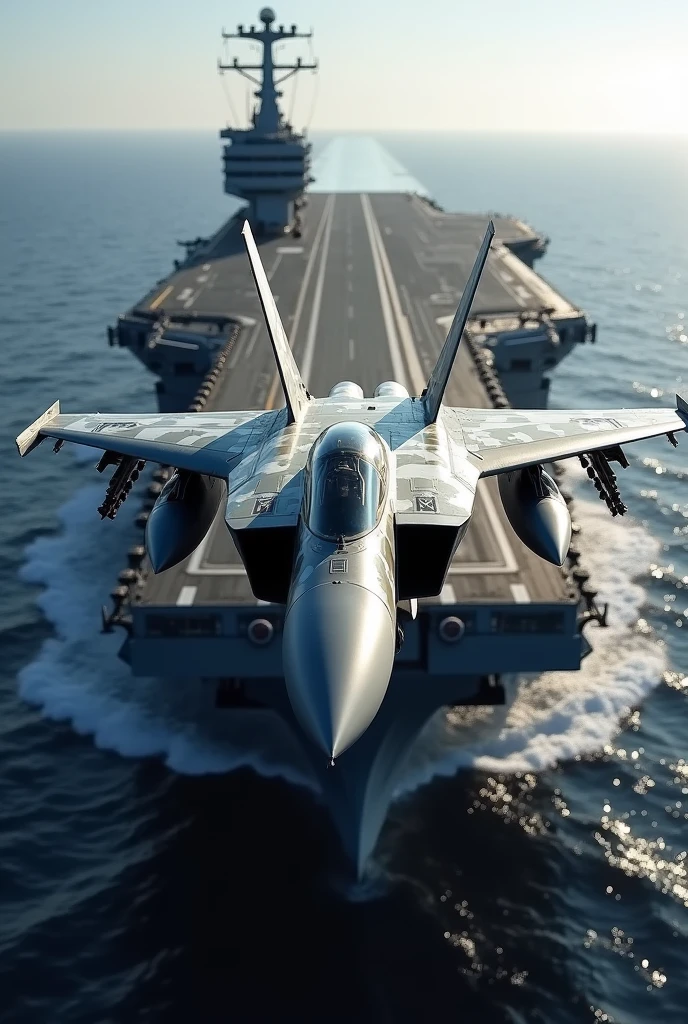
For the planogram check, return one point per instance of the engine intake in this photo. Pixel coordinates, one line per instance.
(537, 512)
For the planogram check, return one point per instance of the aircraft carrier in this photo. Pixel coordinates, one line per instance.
(367, 271)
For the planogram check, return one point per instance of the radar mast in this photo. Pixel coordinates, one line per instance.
(268, 164)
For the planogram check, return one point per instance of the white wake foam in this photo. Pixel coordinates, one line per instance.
(560, 715)
(77, 677)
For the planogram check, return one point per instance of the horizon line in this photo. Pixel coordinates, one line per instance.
(139, 130)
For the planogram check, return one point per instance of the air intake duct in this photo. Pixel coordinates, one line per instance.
(537, 512)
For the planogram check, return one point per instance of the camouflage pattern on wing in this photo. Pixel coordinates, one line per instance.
(210, 442)
(435, 484)
(506, 439)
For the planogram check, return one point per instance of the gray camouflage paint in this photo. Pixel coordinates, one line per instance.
(436, 466)
(339, 634)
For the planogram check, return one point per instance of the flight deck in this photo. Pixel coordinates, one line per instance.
(365, 294)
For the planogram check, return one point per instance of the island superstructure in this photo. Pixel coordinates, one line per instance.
(267, 164)
(366, 269)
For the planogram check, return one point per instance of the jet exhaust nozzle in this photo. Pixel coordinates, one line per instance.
(337, 651)
(537, 512)
(181, 517)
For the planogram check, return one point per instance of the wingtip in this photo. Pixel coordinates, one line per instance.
(32, 437)
(491, 228)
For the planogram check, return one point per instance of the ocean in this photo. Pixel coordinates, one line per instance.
(159, 863)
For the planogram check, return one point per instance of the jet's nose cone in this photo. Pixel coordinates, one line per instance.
(554, 529)
(338, 650)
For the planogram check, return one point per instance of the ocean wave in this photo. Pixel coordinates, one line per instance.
(77, 677)
(558, 716)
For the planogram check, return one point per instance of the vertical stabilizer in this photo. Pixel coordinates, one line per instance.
(432, 395)
(294, 389)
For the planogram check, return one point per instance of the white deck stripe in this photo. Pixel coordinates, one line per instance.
(327, 213)
(308, 351)
(249, 348)
(520, 593)
(404, 332)
(390, 330)
(187, 595)
(448, 594)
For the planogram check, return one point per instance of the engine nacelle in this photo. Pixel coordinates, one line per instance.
(537, 512)
(391, 389)
(347, 389)
(181, 517)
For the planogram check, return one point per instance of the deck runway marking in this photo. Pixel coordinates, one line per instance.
(308, 352)
(520, 593)
(322, 224)
(254, 337)
(234, 358)
(161, 297)
(390, 329)
(186, 595)
(403, 333)
(275, 265)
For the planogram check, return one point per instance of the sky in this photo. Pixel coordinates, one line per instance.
(440, 65)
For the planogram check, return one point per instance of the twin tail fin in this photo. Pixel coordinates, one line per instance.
(295, 392)
(432, 396)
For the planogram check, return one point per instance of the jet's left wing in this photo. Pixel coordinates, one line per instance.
(502, 440)
(202, 442)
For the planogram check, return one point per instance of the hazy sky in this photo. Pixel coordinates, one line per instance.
(562, 65)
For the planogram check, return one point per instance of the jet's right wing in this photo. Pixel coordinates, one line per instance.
(202, 442)
(503, 440)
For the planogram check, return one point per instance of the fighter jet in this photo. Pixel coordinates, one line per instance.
(343, 508)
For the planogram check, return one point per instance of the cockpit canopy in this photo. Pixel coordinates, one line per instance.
(346, 482)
